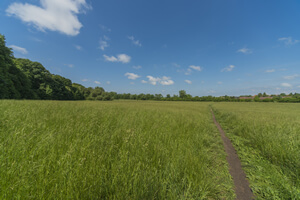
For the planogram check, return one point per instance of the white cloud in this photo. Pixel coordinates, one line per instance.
(244, 50)
(153, 80)
(69, 65)
(85, 80)
(197, 68)
(143, 81)
(288, 41)
(188, 71)
(176, 65)
(54, 15)
(78, 47)
(220, 82)
(36, 39)
(111, 59)
(123, 58)
(188, 81)
(105, 37)
(270, 71)
(298, 86)
(108, 82)
(291, 77)
(228, 69)
(132, 76)
(97, 82)
(137, 67)
(103, 43)
(163, 81)
(166, 81)
(135, 42)
(104, 28)
(191, 68)
(18, 49)
(286, 85)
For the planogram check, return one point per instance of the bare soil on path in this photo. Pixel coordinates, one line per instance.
(242, 189)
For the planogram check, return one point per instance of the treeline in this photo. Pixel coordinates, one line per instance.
(182, 96)
(25, 79)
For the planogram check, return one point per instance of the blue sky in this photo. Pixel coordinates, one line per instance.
(206, 47)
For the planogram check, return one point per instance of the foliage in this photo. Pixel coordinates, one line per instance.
(46, 85)
(25, 79)
(182, 94)
(13, 83)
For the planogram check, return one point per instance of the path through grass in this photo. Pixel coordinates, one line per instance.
(267, 139)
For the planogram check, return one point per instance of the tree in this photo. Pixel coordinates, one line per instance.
(158, 96)
(282, 94)
(259, 94)
(256, 98)
(13, 83)
(133, 96)
(182, 94)
(141, 97)
(264, 94)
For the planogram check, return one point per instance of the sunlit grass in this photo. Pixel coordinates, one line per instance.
(111, 150)
(267, 138)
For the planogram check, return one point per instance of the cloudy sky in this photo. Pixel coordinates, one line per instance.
(206, 47)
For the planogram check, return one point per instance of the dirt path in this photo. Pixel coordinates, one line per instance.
(242, 189)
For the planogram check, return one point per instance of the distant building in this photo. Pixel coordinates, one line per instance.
(246, 97)
(262, 98)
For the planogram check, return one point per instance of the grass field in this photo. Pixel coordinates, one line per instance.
(267, 139)
(111, 150)
(145, 150)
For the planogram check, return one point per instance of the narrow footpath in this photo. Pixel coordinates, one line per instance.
(242, 189)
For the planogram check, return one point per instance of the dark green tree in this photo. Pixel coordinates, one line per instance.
(13, 83)
(182, 94)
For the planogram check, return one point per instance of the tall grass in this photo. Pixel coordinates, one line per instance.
(267, 138)
(111, 150)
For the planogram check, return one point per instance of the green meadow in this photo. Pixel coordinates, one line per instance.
(145, 149)
(267, 139)
(111, 150)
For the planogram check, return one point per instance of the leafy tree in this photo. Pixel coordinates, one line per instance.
(141, 97)
(99, 98)
(182, 94)
(264, 94)
(78, 91)
(158, 96)
(38, 76)
(133, 96)
(13, 83)
(256, 98)
(6, 61)
(45, 85)
(282, 94)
